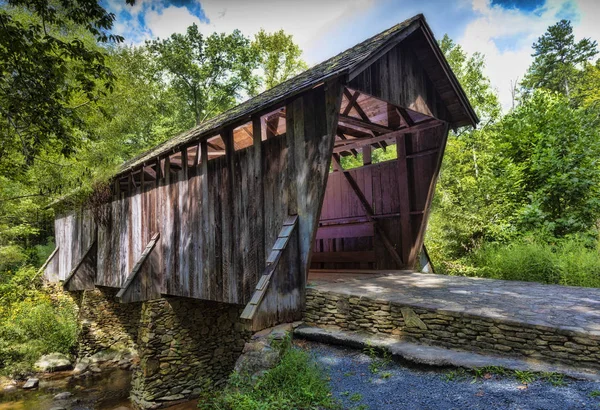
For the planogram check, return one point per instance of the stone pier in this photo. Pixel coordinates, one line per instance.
(183, 345)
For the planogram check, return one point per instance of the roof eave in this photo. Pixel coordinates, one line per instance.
(473, 119)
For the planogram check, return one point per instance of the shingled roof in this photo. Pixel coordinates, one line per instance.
(342, 63)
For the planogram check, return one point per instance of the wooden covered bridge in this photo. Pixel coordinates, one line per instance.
(239, 209)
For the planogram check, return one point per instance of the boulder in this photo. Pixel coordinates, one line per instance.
(82, 366)
(31, 383)
(53, 362)
(63, 396)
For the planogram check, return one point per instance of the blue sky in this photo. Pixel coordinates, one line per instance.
(503, 30)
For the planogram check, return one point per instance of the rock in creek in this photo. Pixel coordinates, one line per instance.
(54, 362)
(31, 383)
(63, 396)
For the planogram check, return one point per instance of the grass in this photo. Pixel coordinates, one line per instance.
(568, 261)
(380, 359)
(523, 376)
(356, 397)
(297, 382)
(595, 393)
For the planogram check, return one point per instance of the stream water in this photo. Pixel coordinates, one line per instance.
(108, 390)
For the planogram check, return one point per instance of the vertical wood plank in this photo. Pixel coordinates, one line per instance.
(404, 197)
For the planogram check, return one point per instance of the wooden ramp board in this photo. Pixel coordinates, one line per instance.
(263, 283)
(83, 275)
(139, 285)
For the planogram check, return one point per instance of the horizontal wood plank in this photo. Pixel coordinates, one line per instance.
(342, 257)
(345, 231)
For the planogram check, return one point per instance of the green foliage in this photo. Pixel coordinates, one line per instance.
(278, 56)
(535, 169)
(556, 148)
(297, 382)
(46, 75)
(557, 57)
(477, 192)
(31, 322)
(586, 91)
(356, 397)
(380, 358)
(209, 73)
(571, 261)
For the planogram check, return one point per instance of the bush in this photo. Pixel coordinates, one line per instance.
(569, 261)
(31, 323)
(297, 382)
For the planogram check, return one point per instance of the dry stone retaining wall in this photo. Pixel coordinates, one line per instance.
(450, 329)
(106, 324)
(184, 345)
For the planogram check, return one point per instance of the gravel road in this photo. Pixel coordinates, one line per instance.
(396, 387)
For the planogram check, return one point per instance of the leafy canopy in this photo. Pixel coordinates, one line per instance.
(45, 74)
(210, 72)
(278, 56)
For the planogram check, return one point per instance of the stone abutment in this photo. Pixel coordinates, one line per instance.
(184, 345)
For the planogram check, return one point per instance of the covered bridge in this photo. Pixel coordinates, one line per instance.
(239, 208)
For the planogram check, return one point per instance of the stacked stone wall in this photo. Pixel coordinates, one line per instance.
(106, 324)
(451, 329)
(185, 345)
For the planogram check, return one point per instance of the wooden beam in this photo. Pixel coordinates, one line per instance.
(351, 100)
(388, 136)
(423, 153)
(344, 257)
(357, 106)
(123, 296)
(404, 199)
(343, 137)
(73, 272)
(257, 205)
(363, 124)
(404, 115)
(368, 210)
(272, 261)
(48, 260)
(367, 154)
(421, 233)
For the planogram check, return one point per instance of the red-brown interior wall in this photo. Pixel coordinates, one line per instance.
(345, 238)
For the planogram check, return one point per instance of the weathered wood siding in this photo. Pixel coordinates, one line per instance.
(219, 220)
(398, 77)
(74, 233)
(343, 224)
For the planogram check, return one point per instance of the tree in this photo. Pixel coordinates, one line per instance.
(475, 194)
(586, 91)
(45, 74)
(557, 58)
(557, 148)
(279, 57)
(211, 73)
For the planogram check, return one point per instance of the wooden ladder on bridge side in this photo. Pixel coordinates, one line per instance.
(263, 284)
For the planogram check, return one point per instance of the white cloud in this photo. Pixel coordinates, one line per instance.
(518, 30)
(323, 28)
(308, 21)
(166, 21)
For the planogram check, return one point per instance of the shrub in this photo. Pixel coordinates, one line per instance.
(297, 382)
(568, 261)
(31, 323)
